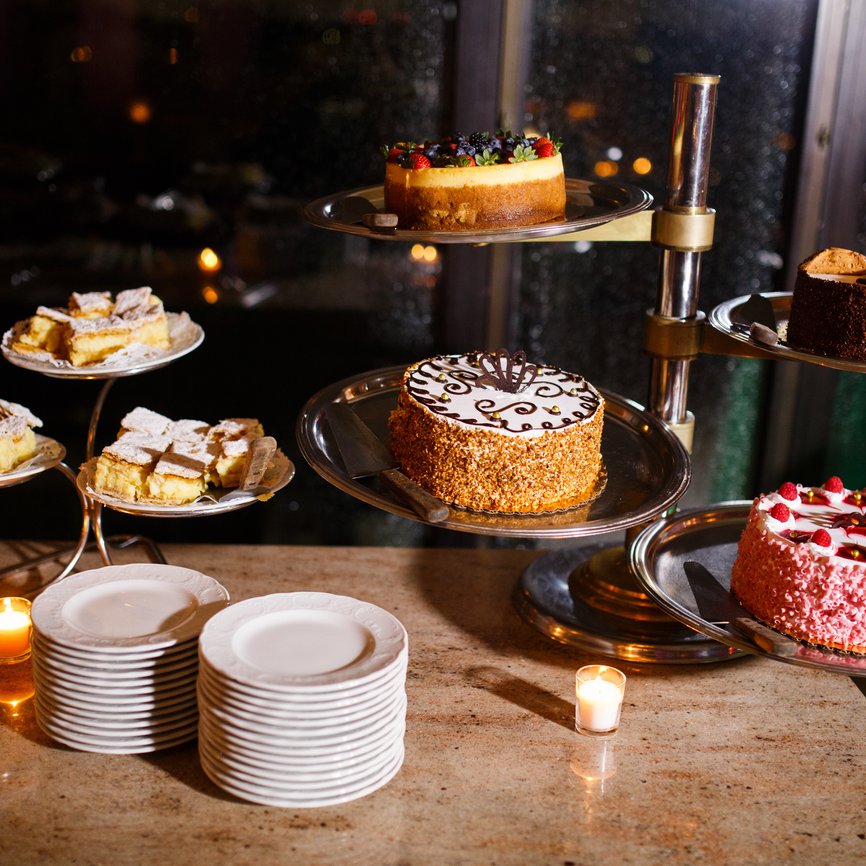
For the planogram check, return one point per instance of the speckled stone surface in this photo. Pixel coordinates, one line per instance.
(746, 761)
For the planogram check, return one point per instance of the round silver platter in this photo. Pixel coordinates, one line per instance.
(710, 537)
(648, 468)
(49, 453)
(277, 476)
(729, 319)
(184, 336)
(588, 203)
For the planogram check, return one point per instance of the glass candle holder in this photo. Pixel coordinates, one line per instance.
(599, 691)
(14, 630)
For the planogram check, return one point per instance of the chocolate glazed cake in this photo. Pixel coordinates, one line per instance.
(828, 308)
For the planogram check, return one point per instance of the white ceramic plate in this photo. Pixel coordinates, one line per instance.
(63, 684)
(48, 454)
(321, 772)
(274, 797)
(115, 745)
(275, 751)
(88, 681)
(184, 335)
(117, 674)
(311, 641)
(278, 475)
(310, 782)
(114, 662)
(293, 715)
(94, 702)
(113, 728)
(128, 608)
(290, 735)
(298, 698)
(111, 719)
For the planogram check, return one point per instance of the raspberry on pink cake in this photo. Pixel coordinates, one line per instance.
(801, 564)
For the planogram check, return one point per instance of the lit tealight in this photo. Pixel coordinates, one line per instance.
(599, 691)
(14, 630)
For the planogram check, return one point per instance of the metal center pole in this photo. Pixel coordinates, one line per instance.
(694, 104)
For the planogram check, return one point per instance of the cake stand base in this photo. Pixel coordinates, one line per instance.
(588, 598)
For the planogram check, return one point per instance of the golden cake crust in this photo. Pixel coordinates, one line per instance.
(476, 197)
(487, 468)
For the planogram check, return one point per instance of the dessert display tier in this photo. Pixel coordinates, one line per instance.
(184, 336)
(588, 204)
(734, 319)
(217, 501)
(49, 453)
(709, 536)
(648, 469)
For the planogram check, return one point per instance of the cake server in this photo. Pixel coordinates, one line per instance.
(718, 606)
(364, 454)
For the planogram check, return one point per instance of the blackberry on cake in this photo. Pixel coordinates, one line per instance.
(801, 564)
(491, 432)
(828, 305)
(475, 182)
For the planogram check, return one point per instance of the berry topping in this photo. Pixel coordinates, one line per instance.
(834, 484)
(479, 148)
(780, 512)
(418, 162)
(788, 491)
(821, 537)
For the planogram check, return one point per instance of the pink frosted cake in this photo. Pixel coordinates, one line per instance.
(801, 564)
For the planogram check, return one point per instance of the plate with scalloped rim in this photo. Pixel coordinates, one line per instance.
(307, 641)
(125, 608)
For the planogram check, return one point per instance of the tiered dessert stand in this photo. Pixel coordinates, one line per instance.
(630, 601)
(185, 336)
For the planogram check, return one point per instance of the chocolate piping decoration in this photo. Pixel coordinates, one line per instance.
(499, 371)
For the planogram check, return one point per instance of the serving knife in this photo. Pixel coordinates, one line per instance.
(718, 606)
(364, 454)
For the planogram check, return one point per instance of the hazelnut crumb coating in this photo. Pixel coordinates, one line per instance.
(537, 449)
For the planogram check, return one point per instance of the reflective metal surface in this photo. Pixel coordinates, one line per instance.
(648, 469)
(588, 204)
(728, 319)
(710, 536)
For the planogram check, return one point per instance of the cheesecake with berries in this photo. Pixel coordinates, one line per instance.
(476, 182)
(801, 564)
(491, 432)
(828, 305)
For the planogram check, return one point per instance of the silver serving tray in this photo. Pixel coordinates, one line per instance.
(648, 469)
(276, 478)
(184, 336)
(49, 453)
(710, 536)
(588, 203)
(728, 319)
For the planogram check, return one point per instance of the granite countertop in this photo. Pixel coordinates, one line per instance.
(744, 761)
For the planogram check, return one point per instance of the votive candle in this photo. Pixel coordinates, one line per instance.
(14, 630)
(599, 691)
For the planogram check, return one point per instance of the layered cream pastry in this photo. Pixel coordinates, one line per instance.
(17, 439)
(93, 326)
(158, 460)
(828, 306)
(491, 432)
(475, 182)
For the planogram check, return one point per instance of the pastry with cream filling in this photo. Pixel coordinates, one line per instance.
(17, 439)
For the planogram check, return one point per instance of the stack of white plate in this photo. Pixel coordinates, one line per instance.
(115, 656)
(302, 699)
